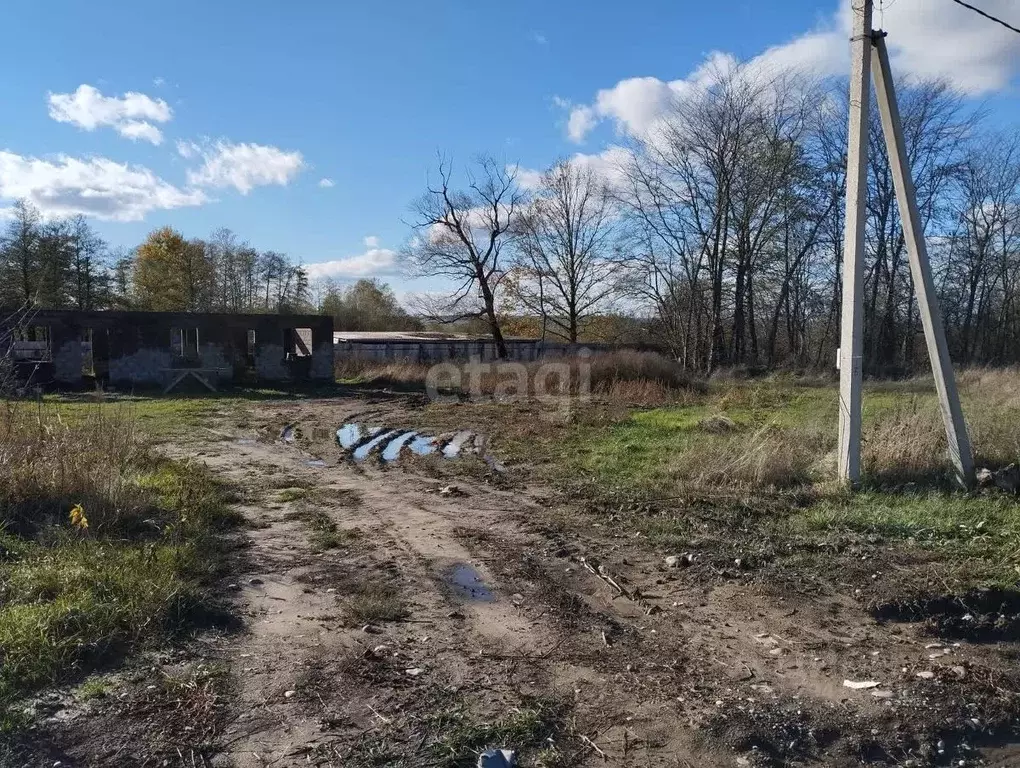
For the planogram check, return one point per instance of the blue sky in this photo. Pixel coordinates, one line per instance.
(253, 104)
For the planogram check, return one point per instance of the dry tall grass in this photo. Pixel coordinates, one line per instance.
(908, 442)
(397, 373)
(641, 378)
(47, 465)
(768, 458)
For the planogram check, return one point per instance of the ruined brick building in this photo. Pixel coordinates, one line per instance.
(160, 349)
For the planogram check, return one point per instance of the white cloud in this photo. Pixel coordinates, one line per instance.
(579, 124)
(926, 39)
(131, 115)
(945, 40)
(159, 82)
(326, 183)
(540, 38)
(139, 129)
(96, 186)
(528, 178)
(610, 165)
(242, 166)
(374, 261)
(371, 241)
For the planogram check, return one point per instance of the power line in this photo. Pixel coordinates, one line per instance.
(988, 16)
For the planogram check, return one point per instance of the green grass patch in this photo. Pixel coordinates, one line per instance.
(293, 493)
(323, 531)
(326, 534)
(375, 603)
(756, 463)
(77, 594)
(96, 687)
(530, 728)
(959, 527)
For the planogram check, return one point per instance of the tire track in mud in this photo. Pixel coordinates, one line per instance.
(722, 669)
(614, 686)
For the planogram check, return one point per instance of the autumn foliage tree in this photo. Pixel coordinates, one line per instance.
(171, 273)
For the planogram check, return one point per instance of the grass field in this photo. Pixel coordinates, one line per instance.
(770, 446)
(104, 546)
(107, 548)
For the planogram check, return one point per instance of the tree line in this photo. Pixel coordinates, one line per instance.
(719, 232)
(64, 264)
(716, 235)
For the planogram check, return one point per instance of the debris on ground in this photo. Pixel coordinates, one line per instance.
(497, 758)
(1005, 479)
(679, 561)
(1008, 478)
(860, 685)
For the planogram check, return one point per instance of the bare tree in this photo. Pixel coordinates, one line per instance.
(461, 235)
(567, 270)
(981, 286)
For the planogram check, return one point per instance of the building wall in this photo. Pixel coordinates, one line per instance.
(435, 351)
(134, 348)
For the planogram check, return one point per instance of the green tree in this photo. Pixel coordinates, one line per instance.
(367, 305)
(19, 266)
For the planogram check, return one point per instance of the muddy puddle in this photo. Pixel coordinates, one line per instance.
(389, 445)
(468, 584)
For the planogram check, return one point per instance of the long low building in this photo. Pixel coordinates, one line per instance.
(432, 347)
(72, 347)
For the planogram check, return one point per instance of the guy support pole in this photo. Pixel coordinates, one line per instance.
(851, 328)
(920, 270)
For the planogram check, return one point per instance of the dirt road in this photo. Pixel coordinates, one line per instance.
(413, 613)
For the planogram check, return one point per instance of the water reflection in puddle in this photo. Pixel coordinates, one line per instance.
(245, 441)
(390, 443)
(467, 583)
(348, 435)
(319, 463)
(456, 443)
(363, 451)
(423, 445)
(392, 450)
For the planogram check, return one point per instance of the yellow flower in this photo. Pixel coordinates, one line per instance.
(78, 519)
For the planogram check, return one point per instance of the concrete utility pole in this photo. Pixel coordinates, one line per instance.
(852, 325)
(920, 270)
(864, 40)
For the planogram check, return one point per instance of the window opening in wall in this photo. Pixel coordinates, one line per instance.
(88, 358)
(184, 343)
(249, 352)
(297, 342)
(32, 344)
